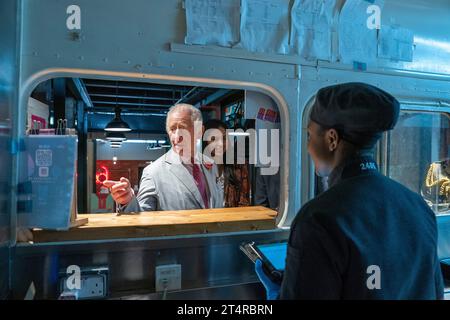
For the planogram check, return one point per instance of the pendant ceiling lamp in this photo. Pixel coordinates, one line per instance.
(115, 136)
(116, 144)
(117, 124)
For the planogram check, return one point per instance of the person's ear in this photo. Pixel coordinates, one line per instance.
(332, 138)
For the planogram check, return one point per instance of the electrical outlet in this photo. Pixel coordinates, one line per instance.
(93, 284)
(168, 277)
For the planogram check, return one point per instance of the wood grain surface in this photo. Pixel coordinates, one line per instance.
(163, 223)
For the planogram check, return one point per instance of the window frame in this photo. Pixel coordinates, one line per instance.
(421, 107)
(31, 83)
(381, 148)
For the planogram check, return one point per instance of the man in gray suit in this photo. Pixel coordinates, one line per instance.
(181, 179)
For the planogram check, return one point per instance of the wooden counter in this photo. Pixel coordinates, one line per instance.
(163, 223)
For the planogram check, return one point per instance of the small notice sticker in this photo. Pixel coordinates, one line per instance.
(44, 157)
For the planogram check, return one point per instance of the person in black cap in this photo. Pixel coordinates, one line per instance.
(366, 236)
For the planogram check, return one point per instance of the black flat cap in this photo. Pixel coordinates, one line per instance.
(358, 111)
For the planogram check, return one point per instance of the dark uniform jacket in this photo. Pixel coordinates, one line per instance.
(366, 237)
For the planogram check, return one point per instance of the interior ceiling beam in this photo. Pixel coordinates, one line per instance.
(113, 104)
(142, 97)
(188, 95)
(134, 87)
(131, 97)
(157, 112)
(77, 85)
(218, 95)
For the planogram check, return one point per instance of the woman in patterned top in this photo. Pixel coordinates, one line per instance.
(233, 178)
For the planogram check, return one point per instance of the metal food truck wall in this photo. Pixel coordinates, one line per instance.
(9, 31)
(145, 41)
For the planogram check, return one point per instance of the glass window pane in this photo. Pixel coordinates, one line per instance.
(418, 156)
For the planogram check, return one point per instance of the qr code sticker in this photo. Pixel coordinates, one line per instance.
(43, 158)
(43, 171)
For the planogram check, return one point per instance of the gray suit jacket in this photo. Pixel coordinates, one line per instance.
(166, 184)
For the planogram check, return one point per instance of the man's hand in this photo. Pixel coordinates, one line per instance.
(24, 235)
(120, 190)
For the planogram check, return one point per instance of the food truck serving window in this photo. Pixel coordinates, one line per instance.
(417, 154)
(85, 137)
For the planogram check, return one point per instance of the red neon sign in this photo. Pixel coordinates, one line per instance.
(102, 175)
